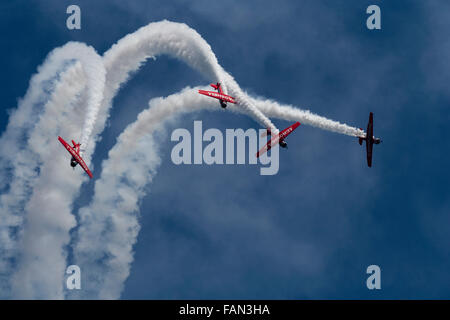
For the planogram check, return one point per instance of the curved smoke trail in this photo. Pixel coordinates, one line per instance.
(31, 130)
(48, 217)
(26, 174)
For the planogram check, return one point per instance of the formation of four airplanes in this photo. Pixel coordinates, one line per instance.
(223, 99)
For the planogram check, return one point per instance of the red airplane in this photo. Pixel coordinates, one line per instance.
(76, 158)
(370, 140)
(279, 138)
(223, 98)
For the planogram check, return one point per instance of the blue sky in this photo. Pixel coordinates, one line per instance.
(311, 230)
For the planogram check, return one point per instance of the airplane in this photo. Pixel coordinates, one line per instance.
(278, 138)
(76, 157)
(222, 97)
(370, 140)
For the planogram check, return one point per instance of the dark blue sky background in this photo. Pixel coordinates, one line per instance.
(312, 230)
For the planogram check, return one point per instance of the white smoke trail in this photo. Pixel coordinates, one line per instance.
(96, 74)
(158, 38)
(41, 263)
(35, 133)
(274, 109)
(28, 170)
(23, 119)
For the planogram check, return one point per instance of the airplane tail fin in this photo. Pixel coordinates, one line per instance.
(361, 139)
(76, 146)
(217, 86)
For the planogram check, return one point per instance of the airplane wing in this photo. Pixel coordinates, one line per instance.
(228, 98)
(370, 126)
(369, 140)
(369, 148)
(217, 95)
(76, 156)
(85, 167)
(67, 146)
